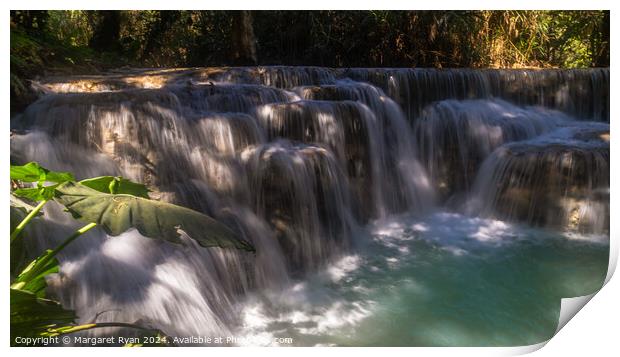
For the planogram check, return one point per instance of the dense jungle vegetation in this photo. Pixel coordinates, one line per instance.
(55, 42)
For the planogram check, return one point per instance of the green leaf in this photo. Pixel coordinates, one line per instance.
(32, 278)
(32, 316)
(36, 193)
(116, 213)
(19, 210)
(18, 252)
(116, 185)
(33, 172)
(59, 177)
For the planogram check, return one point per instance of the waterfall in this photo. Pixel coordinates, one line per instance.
(301, 190)
(298, 160)
(560, 179)
(583, 93)
(404, 179)
(456, 136)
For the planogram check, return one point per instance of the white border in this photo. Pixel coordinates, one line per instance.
(592, 330)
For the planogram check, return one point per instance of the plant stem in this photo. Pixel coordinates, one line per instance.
(20, 227)
(70, 239)
(101, 325)
(166, 340)
(52, 254)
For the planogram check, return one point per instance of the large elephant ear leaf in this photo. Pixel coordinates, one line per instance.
(116, 213)
(116, 185)
(33, 316)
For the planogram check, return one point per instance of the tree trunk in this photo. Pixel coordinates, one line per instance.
(601, 54)
(107, 31)
(243, 40)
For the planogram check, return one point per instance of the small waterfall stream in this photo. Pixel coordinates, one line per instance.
(351, 183)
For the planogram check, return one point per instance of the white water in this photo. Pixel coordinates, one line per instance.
(312, 167)
(443, 279)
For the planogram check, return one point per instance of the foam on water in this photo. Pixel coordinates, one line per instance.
(442, 279)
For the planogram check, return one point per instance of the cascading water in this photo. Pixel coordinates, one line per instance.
(559, 179)
(456, 136)
(405, 181)
(340, 178)
(583, 93)
(302, 191)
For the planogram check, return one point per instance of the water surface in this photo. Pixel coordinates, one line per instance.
(442, 280)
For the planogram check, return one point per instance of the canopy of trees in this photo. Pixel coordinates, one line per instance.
(331, 38)
(76, 41)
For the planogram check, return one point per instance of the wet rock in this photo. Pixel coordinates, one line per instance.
(560, 180)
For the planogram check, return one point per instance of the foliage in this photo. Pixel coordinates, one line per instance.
(116, 213)
(84, 41)
(72, 27)
(114, 203)
(114, 185)
(33, 172)
(508, 38)
(19, 209)
(32, 278)
(32, 316)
